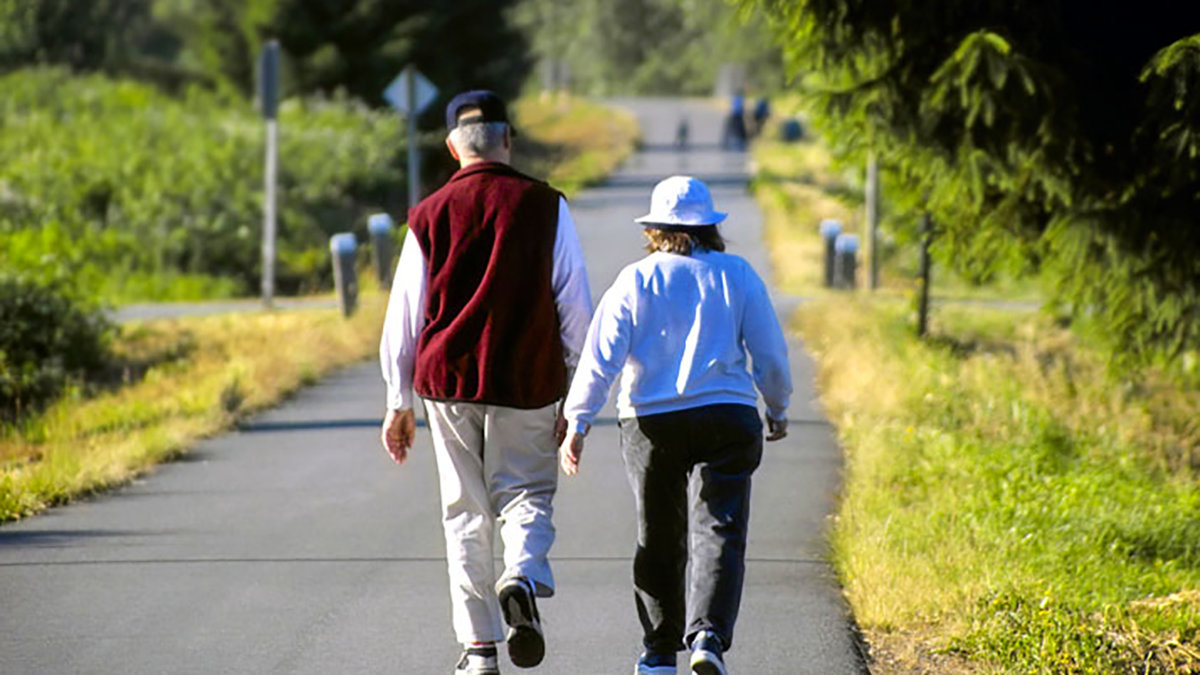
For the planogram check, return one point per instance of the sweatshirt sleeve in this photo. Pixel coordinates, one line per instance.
(403, 325)
(604, 352)
(767, 346)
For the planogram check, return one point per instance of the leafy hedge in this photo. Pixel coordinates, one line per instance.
(47, 339)
(118, 186)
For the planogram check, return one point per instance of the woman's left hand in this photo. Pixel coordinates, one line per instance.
(569, 453)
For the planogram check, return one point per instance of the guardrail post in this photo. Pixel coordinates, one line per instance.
(830, 229)
(846, 262)
(383, 247)
(343, 247)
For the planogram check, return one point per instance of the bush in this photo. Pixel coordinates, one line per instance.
(108, 181)
(48, 339)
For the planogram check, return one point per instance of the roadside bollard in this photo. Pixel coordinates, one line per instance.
(830, 229)
(846, 264)
(343, 246)
(380, 226)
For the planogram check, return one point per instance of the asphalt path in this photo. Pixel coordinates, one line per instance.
(293, 545)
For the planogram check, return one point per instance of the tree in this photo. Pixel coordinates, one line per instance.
(658, 47)
(457, 45)
(1061, 134)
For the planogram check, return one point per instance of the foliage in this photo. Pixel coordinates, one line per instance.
(48, 339)
(191, 378)
(1063, 135)
(110, 182)
(657, 47)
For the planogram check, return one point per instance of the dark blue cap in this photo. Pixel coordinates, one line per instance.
(490, 105)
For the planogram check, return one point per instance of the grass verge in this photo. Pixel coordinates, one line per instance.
(1009, 505)
(571, 141)
(188, 378)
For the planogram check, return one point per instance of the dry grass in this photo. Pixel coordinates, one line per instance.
(571, 141)
(210, 372)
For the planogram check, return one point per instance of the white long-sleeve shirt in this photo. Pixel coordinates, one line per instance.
(678, 329)
(406, 308)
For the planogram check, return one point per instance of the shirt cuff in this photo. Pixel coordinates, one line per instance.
(399, 398)
(579, 426)
(777, 414)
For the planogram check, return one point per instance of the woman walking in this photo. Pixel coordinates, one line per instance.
(678, 325)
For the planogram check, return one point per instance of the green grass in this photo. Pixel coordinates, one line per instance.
(1011, 503)
(1007, 495)
(184, 379)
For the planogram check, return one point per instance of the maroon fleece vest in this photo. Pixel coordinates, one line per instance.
(491, 325)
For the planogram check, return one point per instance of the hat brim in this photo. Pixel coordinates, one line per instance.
(652, 220)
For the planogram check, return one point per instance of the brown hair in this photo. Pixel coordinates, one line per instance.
(683, 240)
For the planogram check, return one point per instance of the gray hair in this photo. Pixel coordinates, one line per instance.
(477, 140)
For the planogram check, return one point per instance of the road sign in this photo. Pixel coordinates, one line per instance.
(412, 99)
(268, 79)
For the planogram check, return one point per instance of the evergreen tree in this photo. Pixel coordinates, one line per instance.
(1063, 134)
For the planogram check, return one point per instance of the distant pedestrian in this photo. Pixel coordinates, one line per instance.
(762, 112)
(679, 326)
(488, 312)
(734, 134)
(681, 134)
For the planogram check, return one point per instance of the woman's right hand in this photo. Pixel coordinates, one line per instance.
(569, 453)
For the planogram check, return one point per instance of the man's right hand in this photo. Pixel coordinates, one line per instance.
(570, 452)
(399, 431)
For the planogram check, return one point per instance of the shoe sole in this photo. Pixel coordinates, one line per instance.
(526, 645)
(707, 663)
(654, 670)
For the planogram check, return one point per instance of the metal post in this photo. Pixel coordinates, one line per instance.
(380, 227)
(345, 280)
(268, 99)
(414, 161)
(924, 281)
(830, 229)
(846, 263)
(873, 219)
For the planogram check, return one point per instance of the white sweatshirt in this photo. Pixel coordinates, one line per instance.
(679, 329)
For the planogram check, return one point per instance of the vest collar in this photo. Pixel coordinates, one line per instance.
(485, 167)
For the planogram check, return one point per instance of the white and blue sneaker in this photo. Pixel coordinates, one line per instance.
(478, 661)
(707, 652)
(655, 663)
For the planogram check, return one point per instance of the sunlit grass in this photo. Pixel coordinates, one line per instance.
(1010, 504)
(207, 373)
(571, 141)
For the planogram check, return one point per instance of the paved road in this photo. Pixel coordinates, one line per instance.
(295, 546)
(170, 310)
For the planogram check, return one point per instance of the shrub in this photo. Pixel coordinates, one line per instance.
(48, 339)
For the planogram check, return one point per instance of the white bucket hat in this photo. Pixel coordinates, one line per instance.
(681, 201)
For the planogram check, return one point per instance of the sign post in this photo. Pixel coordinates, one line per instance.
(410, 93)
(268, 83)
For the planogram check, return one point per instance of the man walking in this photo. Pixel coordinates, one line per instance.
(488, 313)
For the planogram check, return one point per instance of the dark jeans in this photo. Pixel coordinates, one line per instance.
(690, 473)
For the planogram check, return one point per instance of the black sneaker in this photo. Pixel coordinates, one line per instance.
(478, 661)
(526, 645)
(655, 663)
(706, 654)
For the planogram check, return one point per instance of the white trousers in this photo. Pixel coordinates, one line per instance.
(496, 465)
